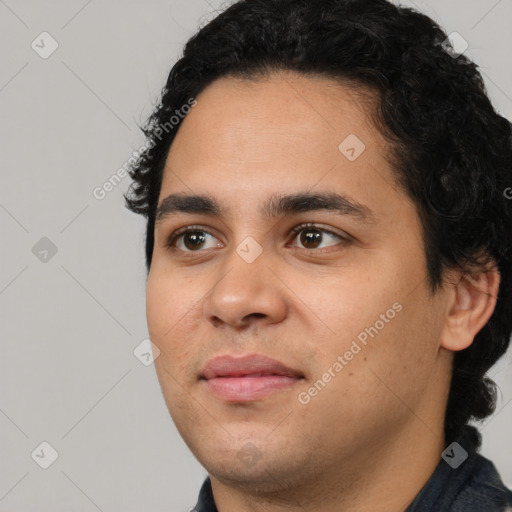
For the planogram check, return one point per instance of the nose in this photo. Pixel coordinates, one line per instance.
(246, 293)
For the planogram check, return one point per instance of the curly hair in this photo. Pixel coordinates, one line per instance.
(451, 151)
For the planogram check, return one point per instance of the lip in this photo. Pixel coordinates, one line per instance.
(247, 378)
(231, 366)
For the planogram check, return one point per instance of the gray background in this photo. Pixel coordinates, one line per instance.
(70, 323)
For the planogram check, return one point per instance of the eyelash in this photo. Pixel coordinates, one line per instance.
(294, 232)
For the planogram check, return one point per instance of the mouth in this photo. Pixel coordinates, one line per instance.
(249, 387)
(247, 378)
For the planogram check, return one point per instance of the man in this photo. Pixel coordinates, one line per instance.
(328, 252)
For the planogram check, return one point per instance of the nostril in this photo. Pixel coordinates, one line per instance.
(255, 315)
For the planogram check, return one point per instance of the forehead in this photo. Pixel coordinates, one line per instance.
(246, 139)
(307, 109)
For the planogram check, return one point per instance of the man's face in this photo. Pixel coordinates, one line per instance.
(345, 302)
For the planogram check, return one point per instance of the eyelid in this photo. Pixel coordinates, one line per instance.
(318, 227)
(170, 243)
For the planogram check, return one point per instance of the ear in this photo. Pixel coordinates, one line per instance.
(471, 302)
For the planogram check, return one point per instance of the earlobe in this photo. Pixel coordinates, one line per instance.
(471, 304)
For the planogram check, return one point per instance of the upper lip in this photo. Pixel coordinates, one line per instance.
(231, 366)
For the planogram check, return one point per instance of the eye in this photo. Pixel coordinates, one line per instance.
(195, 238)
(192, 239)
(312, 236)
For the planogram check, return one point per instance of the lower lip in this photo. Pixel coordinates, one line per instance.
(247, 389)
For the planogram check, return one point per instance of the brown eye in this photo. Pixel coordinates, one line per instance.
(310, 238)
(192, 240)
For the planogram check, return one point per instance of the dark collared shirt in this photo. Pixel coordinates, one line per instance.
(469, 486)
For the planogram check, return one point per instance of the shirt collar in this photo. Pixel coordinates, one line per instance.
(463, 480)
(205, 502)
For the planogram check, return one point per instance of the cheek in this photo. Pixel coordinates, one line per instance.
(170, 304)
(174, 311)
(375, 324)
(400, 357)
(353, 302)
(372, 385)
(169, 311)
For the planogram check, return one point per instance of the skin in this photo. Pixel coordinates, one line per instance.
(371, 438)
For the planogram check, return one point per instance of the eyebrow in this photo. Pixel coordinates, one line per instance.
(276, 206)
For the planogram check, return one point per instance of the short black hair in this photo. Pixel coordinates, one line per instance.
(450, 150)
